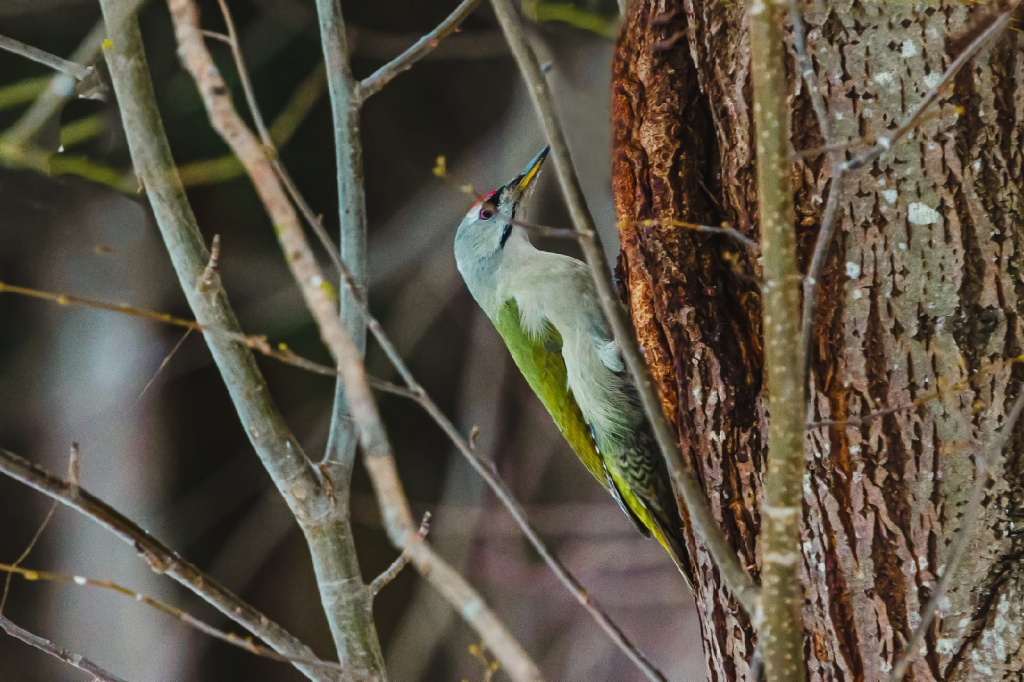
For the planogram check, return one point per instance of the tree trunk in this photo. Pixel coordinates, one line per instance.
(921, 292)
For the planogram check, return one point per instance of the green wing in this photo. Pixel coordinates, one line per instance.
(540, 361)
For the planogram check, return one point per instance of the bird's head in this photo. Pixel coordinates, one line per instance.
(488, 226)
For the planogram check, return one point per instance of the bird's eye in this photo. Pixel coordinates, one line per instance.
(486, 213)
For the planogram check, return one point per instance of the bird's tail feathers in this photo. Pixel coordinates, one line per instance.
(675, 545)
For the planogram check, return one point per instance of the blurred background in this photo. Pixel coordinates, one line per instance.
(158, 436)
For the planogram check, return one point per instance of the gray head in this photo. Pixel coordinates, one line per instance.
(487, 229)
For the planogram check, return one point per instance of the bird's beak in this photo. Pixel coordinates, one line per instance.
(517, 188)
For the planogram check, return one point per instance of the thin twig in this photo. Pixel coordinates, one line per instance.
(268, 140)
(490, 667)
(123, 308)
(76, 71)
(219, 37)
(413, 391)
(376, 448)
(342, 86)
(779, 621)
(188, 619)
(684, 480)
(28, 548)
(254, 342)
(806, 68)
(211, 279)
(884, 142)
(243, 74)
(414, 549)
(254, 158)
(964, 535)
(826, 231)
(812, 281)
(940, 390)
(164, 560)
(69, 657)
(416, 392)
(293, 474)
(546, 230)
(570, 233)
(59, 90)
(467, 45)
(392, 571)
(373, 83)
(725, 230)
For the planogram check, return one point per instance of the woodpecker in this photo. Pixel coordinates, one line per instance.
(545, 307)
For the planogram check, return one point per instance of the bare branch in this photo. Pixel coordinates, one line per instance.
(373, 83)
(964, 535)
(416, 392)
(71, 658)
(346, 602)
(294, 475)
(254, 342)
(392, 571)
(546, 230)
(910, 122)
(684, 481)
(413, 391)
(188, 619)
(376, 447)
(725, 230)
(76, 71)
(941, 389)
(780, 619)
(570, 233)
(32, 543)
(352, 225)
(467, 45)
(163, 560)
(268, 140)
(59, 91)
(826, 231)
(445, 579)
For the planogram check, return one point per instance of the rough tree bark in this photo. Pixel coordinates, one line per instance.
(922, 290)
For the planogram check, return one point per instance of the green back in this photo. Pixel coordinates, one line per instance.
(540, 361)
